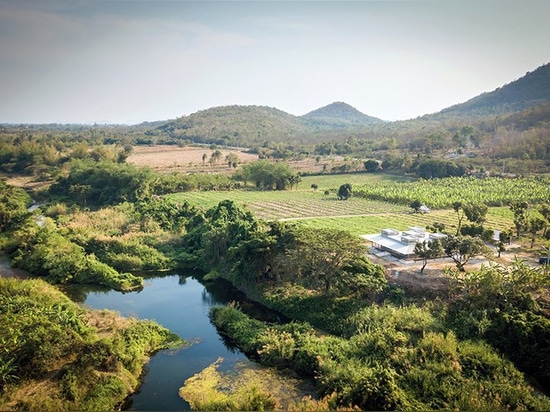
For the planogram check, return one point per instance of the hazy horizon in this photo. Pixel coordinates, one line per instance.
(130, 61)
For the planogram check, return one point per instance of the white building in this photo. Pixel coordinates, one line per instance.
(401, 244)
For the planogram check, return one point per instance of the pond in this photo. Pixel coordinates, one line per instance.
(181, 304)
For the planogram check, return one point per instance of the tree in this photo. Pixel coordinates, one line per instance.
(461, 248)
(504, 238)
(520, 215)
(476, 212)
(371, 165)
(436, 227)
(416, 205)
(534, 225)
(430, 249)
(329, 258)
(344, 192)
(294, 180)
(215, 157)
(232, 160)
(266, 175)
(314, 186)
(457, 206)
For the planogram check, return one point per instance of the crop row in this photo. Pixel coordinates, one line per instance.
(289, 204)
(441, 193)
(375, 223)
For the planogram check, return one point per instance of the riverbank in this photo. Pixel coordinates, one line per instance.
(58, 356)
(7, 271)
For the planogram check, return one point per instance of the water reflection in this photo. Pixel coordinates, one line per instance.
(182, 304)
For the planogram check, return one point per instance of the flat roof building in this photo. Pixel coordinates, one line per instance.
(401, 244)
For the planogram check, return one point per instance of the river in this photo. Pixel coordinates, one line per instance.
(181, 304)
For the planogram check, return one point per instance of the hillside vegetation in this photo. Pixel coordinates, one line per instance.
(528, 91)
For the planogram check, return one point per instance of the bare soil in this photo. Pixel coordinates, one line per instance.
(433, 281)
(189, 159)
(185, 159)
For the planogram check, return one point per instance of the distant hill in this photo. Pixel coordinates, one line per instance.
(340, 114)
(528, 91)
(237, 125)
(254, 125)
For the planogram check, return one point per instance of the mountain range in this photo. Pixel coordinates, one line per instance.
(529, 95)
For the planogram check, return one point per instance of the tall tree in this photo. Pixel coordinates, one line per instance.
(457, 206)
(328, 258)
(476, 212)
(371, 165)
(520, 215)
(534, 225)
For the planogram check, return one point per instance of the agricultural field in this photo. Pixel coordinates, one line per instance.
(497, 219)
(315, 209)
(277, 205)
(441, 193)
(185, 159)
(189, 159)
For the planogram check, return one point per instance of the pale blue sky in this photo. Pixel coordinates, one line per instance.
(127, 61)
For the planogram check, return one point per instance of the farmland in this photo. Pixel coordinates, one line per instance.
(359, 215)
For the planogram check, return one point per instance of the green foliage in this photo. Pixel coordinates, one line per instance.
(442, 193)
(210, 237)
(345, 191)
(402, 361)
(44, 251)
(14, 202)
(461, 248)
(43, 330)
(371, 165)
(103, 183)
(437, 168)
(267, 175)
(170, 215)
(496, 303)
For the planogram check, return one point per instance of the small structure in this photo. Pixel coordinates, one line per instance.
(401, 244)
(424, 209)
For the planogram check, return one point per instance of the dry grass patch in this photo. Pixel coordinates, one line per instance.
(185, 159)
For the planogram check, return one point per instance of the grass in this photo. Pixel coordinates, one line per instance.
(314, 208)
(333, 181)
(373, 223)
(299, 202)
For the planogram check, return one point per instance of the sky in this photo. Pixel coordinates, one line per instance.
(129, 61)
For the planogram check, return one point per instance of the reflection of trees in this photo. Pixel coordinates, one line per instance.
(182, 280)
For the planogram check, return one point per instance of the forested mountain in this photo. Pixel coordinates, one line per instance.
(340, 114)
(255, 125)
(528, 91)
(233, 125)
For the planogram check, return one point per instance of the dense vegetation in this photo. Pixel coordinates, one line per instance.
(366, 343)
(57, 356)
(441, 193)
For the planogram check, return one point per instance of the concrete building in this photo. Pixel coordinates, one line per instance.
(401, 244)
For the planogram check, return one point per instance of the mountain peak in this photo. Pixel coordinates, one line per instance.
(340, 113)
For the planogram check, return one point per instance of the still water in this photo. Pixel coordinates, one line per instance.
(182, 305)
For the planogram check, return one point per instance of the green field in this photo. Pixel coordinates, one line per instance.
(497, 219)
(315, 209)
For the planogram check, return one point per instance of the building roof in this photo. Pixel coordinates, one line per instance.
(401, 244)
